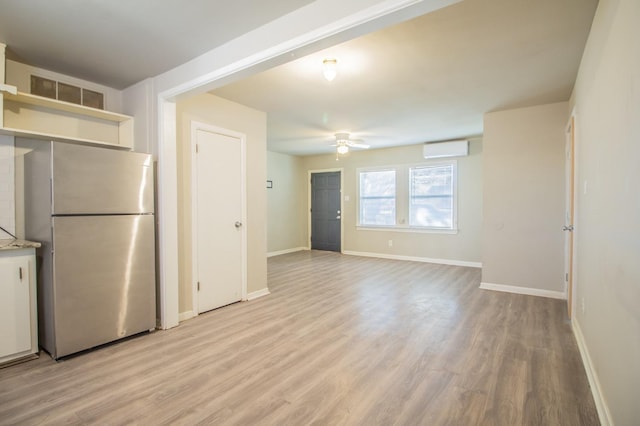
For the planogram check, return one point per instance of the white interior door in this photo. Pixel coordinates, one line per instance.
(219, 231)
(569, 213)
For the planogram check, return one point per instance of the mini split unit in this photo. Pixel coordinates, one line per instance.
(459, 148)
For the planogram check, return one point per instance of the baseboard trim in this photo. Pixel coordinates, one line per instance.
(287, 251)
(256, 294)
(415, 259)
(603, 410)
(524, 290)
(183, 316)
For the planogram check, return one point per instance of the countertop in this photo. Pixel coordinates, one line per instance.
(11, 244)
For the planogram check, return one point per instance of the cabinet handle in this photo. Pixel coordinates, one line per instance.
(20, 273)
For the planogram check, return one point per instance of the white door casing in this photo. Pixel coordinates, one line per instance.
(569, 218)
(219, 231)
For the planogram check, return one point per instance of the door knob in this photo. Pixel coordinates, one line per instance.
(568, 228)
(238, 224)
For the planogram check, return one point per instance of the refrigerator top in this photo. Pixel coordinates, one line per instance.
(91, 180)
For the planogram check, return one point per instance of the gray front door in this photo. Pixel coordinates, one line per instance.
(325, 211)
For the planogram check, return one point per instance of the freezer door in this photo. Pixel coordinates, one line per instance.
(93, 180)
(104, 279)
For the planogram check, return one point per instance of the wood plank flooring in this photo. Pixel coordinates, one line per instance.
(341, 340)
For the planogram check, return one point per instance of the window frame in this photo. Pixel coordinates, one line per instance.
(403, 198)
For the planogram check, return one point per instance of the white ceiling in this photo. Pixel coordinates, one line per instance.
(119, 42)
(428, 79)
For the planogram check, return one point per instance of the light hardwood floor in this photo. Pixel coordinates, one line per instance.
(341, 340)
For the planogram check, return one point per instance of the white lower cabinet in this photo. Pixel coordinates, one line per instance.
(18, 318)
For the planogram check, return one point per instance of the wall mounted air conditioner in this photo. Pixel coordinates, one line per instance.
(446, 149)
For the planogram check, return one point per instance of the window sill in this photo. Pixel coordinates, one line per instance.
(409, 229)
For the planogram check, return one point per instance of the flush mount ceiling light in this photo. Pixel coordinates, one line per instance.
(330, 69)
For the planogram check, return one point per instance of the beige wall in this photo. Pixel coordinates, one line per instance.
(607, 107)
(219, 112)
(464, 246)
(286, 203)
(523, 197)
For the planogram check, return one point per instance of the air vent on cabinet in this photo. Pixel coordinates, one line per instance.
(66, 92)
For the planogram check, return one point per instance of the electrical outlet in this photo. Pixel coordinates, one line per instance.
(390, 243)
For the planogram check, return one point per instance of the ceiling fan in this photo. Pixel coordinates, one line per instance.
(344, 142)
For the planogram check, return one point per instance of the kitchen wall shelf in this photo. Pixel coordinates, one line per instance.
(24, 114)
(35, 100)
(61, 138)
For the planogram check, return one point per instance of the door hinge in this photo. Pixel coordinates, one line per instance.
(566, 276)
(196, 148)
(198, 285)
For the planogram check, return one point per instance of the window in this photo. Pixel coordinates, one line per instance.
(431, 196)
(410, 198)
(378, 197)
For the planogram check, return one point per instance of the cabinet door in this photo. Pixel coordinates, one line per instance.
(15, 310)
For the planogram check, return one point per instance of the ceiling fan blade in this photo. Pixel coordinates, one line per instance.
(357, 145)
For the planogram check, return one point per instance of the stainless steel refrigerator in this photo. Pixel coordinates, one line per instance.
(92, 210)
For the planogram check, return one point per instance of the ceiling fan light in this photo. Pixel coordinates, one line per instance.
(330, 69)
(343, 149)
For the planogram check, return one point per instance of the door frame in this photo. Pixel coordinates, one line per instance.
(309, 189)
(195, 126)
(571, 197)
